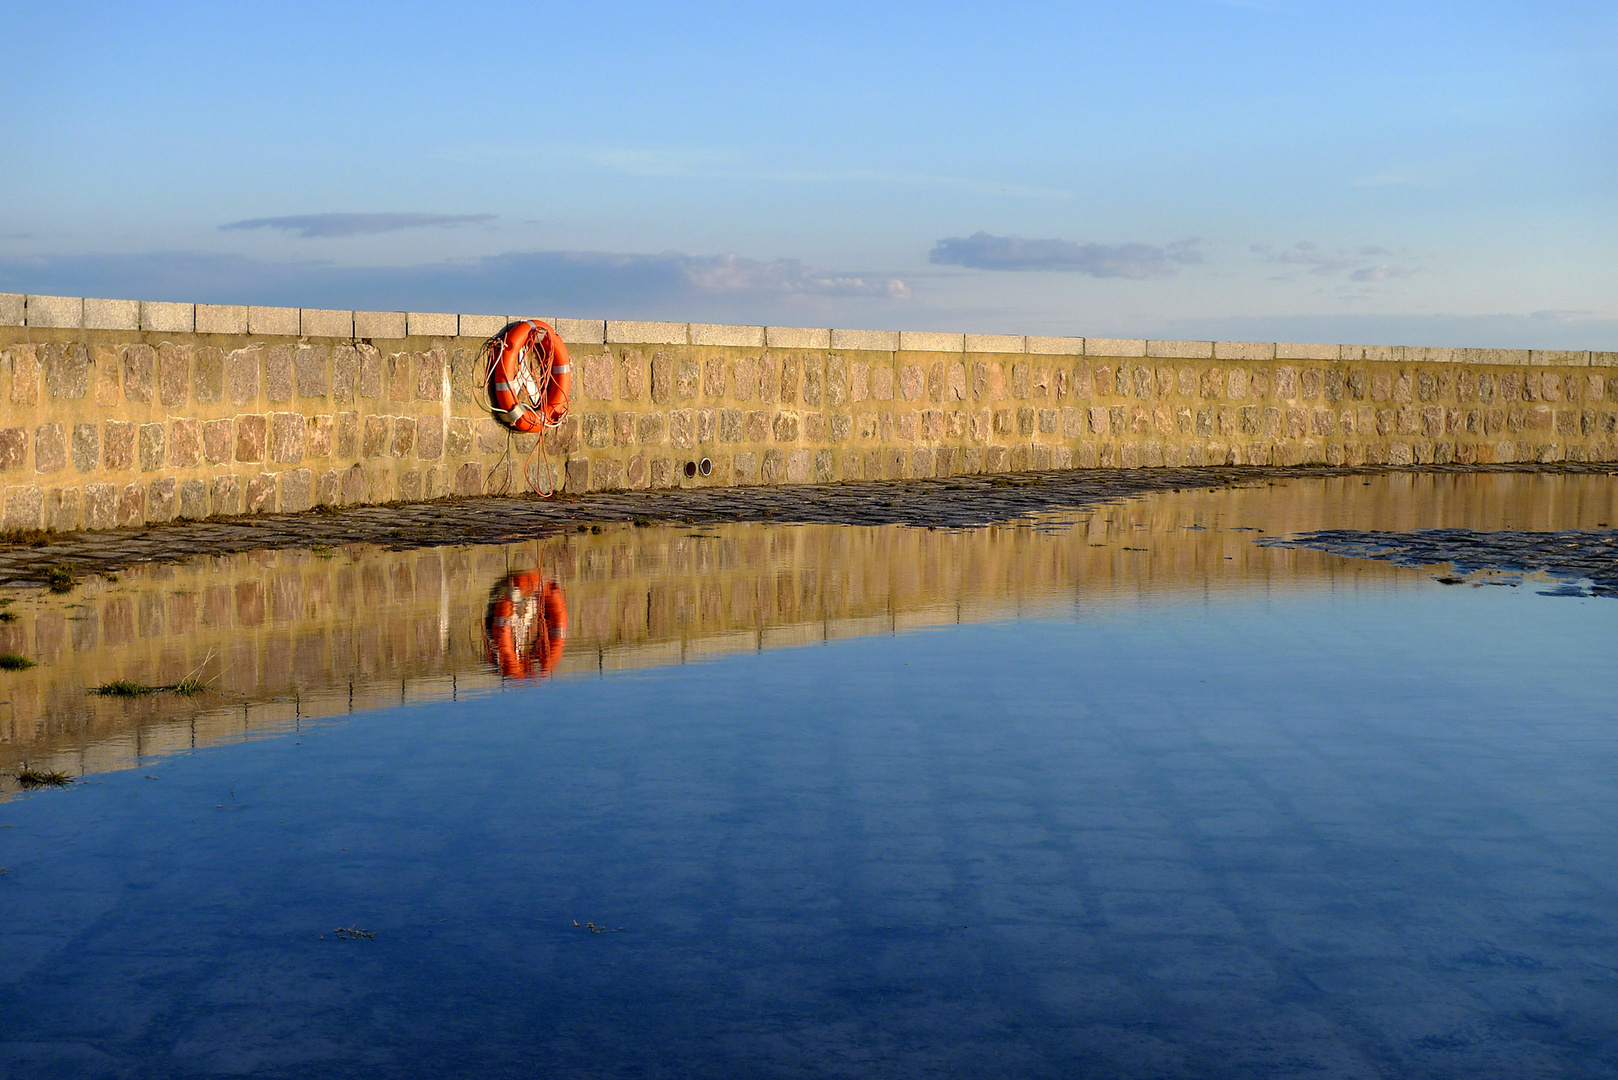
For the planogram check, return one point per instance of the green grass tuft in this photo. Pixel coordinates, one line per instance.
(12, 662)
(36, 778)
(123, 688)
(60, 578)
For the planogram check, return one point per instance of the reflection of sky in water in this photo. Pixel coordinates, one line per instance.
(1348, 829)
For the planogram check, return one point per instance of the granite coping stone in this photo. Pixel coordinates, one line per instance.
(796, 337)
(274, 321)
(1114, 347)
(483, 326)
(425, 324)
(221, 318)
(56, 312)
(385, 325)
(168, 318)
(629, 332)
(111, 314)
(67, 312)
(866, 340)
(1055, 346)
(928, 341)
(751, 337)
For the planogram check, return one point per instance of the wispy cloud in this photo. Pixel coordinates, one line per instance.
(328, 226)
(1367, 264)
(982, 251)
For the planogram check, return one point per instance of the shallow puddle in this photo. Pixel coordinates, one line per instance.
(1146, 798)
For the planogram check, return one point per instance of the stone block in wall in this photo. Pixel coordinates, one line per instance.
(796, 337)
(354, 486)
(56, 312)
(491, 436)
(297, 491)
(65, 369)
(217, 441)
(687, 376)
(715, 334)
(1244, 350)
(260, 494)
(25, 508)
(241, 376)
(252, 433)
(404, 436)
(458, 438)
(865, 340)
(208, 374)
(287, 436)
(430, 368)
(1179, 350)
(309, 370)
(1559, 357)
(484, 326)
(221, 319)
(104, 367)
(153, 447)
(185, 443)
(431, 324)
(646, 333)
(140, 372)
(118, 444)
(594, 380)
(278, 379)
(327, 323)
(111, 314)
(580, 331)
(1293, 350)
(168, 318)
(132, 504)
(173, 374)
(275, 321)
(347, 435)
(1014, 343)
(100, 506)
(378, 431)
(469, 479)
(318, 444)
(378, 325)
(86, 447)
(193, 500)
(13, 309)
(50, 448)
(928, 341)
(162, 499)
(430, 438)
(1114, 347)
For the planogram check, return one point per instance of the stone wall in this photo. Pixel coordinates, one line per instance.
(120, 413)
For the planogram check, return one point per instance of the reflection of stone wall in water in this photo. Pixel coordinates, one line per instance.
(292, 636)
(115, 413)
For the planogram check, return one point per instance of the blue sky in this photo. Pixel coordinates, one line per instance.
(1417, 172)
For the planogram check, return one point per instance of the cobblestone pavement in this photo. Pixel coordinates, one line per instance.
(945, 502)
(1574, 555)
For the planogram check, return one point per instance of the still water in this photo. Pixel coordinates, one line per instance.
(1123, 794)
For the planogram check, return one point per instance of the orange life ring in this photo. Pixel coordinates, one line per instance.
(526, 626)
(529, 376)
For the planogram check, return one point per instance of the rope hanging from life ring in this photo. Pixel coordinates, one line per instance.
(526, 373)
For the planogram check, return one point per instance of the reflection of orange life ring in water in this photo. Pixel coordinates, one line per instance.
(526, 629)
(529, 376)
